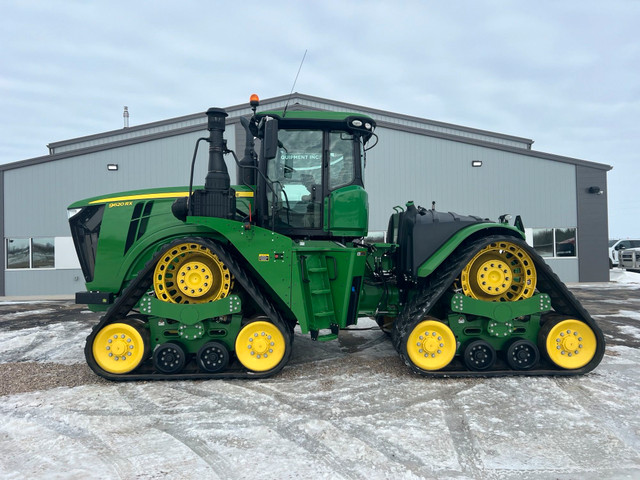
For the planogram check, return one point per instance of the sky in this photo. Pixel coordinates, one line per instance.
(565, 74)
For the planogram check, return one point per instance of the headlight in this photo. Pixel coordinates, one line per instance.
(72, 212)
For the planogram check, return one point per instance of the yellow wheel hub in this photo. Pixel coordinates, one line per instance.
(195, 279)
(500, 272)
(191, 273)
(493, 277)
(118, 348)
(571, 344)
(431, 345)
(260, 346)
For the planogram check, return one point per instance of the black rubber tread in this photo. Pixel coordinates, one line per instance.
(432, 289)
(142, 283)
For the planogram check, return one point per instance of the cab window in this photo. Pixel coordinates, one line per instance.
(341, 161)
(296, 175)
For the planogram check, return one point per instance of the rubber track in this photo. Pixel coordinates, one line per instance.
(143, 282)
(562, 301)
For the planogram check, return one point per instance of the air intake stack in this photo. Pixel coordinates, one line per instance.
(217, 179)
(218, 198)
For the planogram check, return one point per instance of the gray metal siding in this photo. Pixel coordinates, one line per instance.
(43, 192)
(566, 268)
(2, 244)
(427, 168)
(127, 134)
(407, 122)
(593, 234)
(43, 282)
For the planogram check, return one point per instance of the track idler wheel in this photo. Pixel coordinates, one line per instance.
(261, 346)
(431, 345)
(479, 355)
(500, 272)
(169, 358)
(191, 273)
(522, 354)
(568, 342)
(120, 347)
(213, 357)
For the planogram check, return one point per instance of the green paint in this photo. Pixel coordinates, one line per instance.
(428, 267)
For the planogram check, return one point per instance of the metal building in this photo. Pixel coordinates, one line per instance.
(562, 200)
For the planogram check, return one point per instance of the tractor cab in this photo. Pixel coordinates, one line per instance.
(310, 173)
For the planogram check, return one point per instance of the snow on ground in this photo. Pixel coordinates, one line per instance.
(629, 314)
(57, 343)
(618, 278)
(619, 275)
(346, 416)
(311, 422)
(22, 302)
(26, 313)
(629, 330)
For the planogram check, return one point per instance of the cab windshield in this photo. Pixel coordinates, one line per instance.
(298, 174)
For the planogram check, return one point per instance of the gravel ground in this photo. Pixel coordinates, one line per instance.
(31, 376)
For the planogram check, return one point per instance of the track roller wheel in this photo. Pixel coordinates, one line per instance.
(169, 358)
(479, 355)
(260, 346)
(120, 347)
(500, 272)
(431, 345)
(568, 342)
(213, 357)
(191, 273)
(522, 354)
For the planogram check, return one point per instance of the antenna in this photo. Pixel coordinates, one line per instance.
(284, 113)
(125, 116)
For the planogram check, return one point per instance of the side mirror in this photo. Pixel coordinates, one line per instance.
(270, 138)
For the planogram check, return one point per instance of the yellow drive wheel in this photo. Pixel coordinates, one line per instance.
(569, 343)
(119, 348)
(431, 345)
(191, 273)
(500, 272)
(260, 346)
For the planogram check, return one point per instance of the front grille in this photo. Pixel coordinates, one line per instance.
(85, 230)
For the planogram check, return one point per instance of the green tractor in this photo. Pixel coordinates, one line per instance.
(210, 281)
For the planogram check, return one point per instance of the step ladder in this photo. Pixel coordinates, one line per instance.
(315, 274)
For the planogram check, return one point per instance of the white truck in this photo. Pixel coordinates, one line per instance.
(629, 259)
(616, 246)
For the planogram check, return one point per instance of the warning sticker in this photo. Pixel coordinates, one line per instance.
(263, 257)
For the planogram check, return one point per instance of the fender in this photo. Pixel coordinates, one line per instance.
(427, 267)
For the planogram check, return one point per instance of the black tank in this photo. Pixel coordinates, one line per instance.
(421, 232)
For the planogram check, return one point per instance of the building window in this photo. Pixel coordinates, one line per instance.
(555, 242)
(18, 253)
(565, 242)
(25, 253)
(42, 253)
(543, 241)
